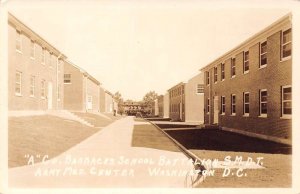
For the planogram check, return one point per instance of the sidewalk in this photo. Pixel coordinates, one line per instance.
(106, 159)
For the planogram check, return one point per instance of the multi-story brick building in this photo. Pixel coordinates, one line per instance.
(109, 102)
(102, 103)
(249, 89)
(194, 99)
(81, 90)
(35, 70)
(177, 102)
(160, 103)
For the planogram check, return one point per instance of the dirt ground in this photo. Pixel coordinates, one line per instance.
(44, 135)
(215, 144)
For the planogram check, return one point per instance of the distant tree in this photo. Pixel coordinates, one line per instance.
(118, 98)
(149, 99)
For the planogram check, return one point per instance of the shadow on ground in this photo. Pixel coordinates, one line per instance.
(214, 139)
(150, 137)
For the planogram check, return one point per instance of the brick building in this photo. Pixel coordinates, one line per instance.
(249, 89)
(81, 90)
(160, 103)
(102, 99)
(35, 70)
(177, 102)
(166, 109)
(194, 99)
(109, 102)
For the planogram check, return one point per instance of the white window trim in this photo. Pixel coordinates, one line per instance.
(216, 74)
(281, 46)
(222, 79)
(233, 76)
(233, 114)
(43, 58)
(32, 86)
(284, 116)
(246, 114)
(223, 113)
(260, 54)
(207, 78)
(18, 33)
(208, 106)
(262, 115)
(245, 72)
(199, 93)
(32, 57)
(20, 93)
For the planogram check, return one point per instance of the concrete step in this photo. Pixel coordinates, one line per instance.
(68, 115)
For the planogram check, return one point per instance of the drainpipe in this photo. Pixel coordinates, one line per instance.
(57, 61)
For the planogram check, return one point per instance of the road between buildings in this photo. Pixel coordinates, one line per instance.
(106, 159)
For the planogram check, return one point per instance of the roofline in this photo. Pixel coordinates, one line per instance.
(181, 83)
(85, 73)
(20, 26)
(251, 40)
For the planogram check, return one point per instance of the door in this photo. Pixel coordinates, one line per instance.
(50, 95)
(216, 110)
(89, 103)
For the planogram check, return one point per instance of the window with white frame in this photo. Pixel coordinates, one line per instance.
(207, 106)
(232, 67)
(263, 101)
(286, 98)
(233, 104)
(246, 103)
(246, 62)
(32, 86)
(207, 78)
(43, 88)
(263, 54)
(200, 88)
(18, 83)
(286, 44)
(43, 56)
(67, 78)
(215, 74)
(32, 49)
(18, 41)
(222, 71)
(223, 105)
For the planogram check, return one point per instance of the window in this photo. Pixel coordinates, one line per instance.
(233, 101)
(18, 84)
(207, 78)
(67, 78)
(246, 62)
(43, 56)
(18, 41)
(208, 106)
(222, 71)
(232, 67)
(246, 106)
(32, 86)
(222, 105)
(200, 88)
(286, 103)
(43, 89)
(286, 44)
(215, 74)
(263, 101)
(32, 49)
(263, 54)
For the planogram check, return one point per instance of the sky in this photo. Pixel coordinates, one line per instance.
(137, 46)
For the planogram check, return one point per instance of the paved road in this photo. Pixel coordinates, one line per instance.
(106, 159)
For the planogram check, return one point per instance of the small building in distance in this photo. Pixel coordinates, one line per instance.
(166, 106)
(35, 70)
(81, 90)
(249, 89)
(177, 102)
(160, 103)
(194, 99)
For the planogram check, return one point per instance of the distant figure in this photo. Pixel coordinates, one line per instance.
(115, 112)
